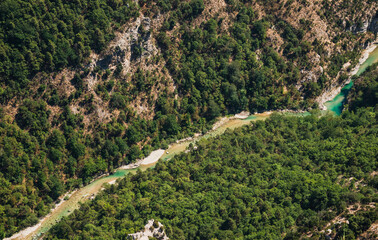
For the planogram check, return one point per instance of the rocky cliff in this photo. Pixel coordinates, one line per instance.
(370, 24)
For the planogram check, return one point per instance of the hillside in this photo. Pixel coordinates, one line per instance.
(282, 178)
(364, 91)
(87, 86)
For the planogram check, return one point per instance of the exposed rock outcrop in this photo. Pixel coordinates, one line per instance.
(151, 229)
(336, 87)
(371, 24)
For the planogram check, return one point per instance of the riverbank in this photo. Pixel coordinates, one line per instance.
(153, 157)
(65, 207)
(331, 94)
(336, 105)
(30, 230)
(150, 159)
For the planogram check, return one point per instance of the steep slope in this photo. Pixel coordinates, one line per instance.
(279, 179)
(365, 89)
(87, 86)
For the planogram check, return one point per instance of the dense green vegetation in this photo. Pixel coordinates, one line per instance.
(29, 160)
(40, 160)
(220, 73)
(364, 91)
(51, 35)
(274, 179)
(220, 66)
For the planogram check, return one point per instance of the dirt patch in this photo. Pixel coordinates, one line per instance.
(212, 8)
(341, 218)
(275, 40)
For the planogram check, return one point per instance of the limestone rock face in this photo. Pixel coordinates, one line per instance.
(373, 26)
(150, 230)
(370, 24)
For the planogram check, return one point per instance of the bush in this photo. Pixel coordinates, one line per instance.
(117, 101)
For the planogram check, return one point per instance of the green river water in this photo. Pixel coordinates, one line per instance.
(336, 104)
(87, 192)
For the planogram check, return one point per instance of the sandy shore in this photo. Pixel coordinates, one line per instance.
(24, 233)
(263, 114)
(153, 157)
(131, 165)
(242, 115)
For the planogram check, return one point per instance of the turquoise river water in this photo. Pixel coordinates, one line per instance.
(336, 105)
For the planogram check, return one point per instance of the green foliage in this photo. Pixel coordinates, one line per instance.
(358, 224)
(26, 190)
(33, 116)
(216, 71)
(219, 69)
(365, 90)
(274, 179)
(171, 126)
(117, 101)
(33, 39)
(56, 139)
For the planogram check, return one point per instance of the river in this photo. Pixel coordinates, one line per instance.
(65, 207)
(336, 104)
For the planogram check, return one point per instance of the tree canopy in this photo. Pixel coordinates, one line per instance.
(271, 180)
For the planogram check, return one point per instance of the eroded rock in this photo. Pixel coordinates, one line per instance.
(151, 229)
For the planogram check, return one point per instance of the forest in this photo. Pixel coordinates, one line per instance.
(47, 148)
(51, 35)
(279, 178)
(364, 91)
